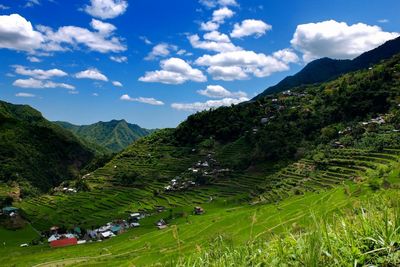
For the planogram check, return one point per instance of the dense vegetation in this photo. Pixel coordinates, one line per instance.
(113, 135)
(325, 69)
(35, 153)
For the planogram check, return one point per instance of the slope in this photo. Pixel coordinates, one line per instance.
(326, 69)
(36, 153)
(114, 135)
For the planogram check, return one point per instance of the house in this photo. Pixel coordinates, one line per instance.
(116, 229)
(198, 210)
(107, 234)
(161, 224)
(64, 242)
(10, 211)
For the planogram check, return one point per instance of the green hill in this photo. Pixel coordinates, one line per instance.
(114, 135)
(325, 69)
(36, 153)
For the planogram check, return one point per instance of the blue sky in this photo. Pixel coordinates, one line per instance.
(154, 62)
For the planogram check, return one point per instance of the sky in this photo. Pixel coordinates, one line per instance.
(154, 62)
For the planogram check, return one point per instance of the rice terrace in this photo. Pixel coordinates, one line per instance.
(199, 133)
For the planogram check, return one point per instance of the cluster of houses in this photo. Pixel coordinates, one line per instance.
(208, 167)
(78, 236)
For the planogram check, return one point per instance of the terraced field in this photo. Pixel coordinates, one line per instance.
(108, 200)
(337, 166)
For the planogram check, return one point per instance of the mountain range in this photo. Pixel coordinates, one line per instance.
(114, 135)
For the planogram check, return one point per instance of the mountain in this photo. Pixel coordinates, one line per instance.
(36, 153)
(114, 135)
(326, 69)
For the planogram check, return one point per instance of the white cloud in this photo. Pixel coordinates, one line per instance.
(71, 37)
(174, 71)
(229, 73)
(213, 41)
(209, 26)
(106, 9)
(160, 50)
(217, 91)
(95, 94)
(238, 65)
(39, 84)
(210, 104)
(32, 3)
(17, 33)
(117, 83)
(119, 59)
(145, 40)
(102, 27)
(214, 3)
(337, 39)
(39, 74)
(146, 100)
(24, 95)
(383, 21)
(220, 15)
(250, 27)
(33, 59)
(286, 55)
(93, 74)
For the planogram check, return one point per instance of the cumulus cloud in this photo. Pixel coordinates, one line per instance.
(102, 27)
(32, 3)
(218, 18)
(337, 39)
(210, 104)
(3, 7)
(117, 83)
(161, 50)
(39, 84)
(24, 95)
(93, 74)
(106, 9)
(174, 71)
(217, 91)
(250, 27)
(146, 100)
(71, 37)
(119, 59)
(38, 73)
(145, 40)
(213, 41)
(18, 34)
(238, 65)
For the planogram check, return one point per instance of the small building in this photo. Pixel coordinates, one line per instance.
(107, 234)
(64, 242)
(161, 224)
(116, 229)
(10, 211)
(198, 210)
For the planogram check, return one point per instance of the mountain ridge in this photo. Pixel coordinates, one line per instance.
(113, 135)
(325, 69)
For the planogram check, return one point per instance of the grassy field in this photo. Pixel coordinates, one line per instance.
(146, 245)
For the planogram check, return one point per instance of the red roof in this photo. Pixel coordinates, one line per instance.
(63, 242)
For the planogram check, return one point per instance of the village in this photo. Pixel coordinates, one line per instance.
(61, 237)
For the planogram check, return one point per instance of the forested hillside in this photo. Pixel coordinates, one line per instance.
(114, 135)
(35, 153)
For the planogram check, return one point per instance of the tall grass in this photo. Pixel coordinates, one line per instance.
(368, 234)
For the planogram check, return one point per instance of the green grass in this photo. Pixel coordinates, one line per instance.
(146, 245)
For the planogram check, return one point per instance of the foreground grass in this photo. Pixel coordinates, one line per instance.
(368, 234)
(243, 226)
